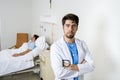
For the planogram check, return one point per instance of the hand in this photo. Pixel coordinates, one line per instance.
(74, 67)
(71, 67)
(16, 55)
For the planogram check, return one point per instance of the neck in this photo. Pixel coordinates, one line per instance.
(69, 40)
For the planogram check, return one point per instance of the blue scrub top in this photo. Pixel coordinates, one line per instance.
(31, 45)
(74, 54)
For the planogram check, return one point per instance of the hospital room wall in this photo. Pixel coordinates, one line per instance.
(0, 32)
(38, 9)
(15, 17)
(99, 28)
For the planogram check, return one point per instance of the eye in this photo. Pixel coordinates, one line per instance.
(74, 25)
(67, 25)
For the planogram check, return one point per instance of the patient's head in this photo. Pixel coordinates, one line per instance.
(34, 37)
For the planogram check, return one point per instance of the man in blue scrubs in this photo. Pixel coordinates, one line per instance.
(70, 57)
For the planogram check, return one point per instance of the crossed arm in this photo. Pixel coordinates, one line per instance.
(75, 67)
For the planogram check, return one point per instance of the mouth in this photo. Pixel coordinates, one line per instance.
(70, 33)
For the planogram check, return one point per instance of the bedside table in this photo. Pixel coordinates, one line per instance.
(46, 72)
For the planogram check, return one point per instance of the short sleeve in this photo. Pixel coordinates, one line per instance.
(31, 45)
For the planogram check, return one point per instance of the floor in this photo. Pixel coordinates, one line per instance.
(22, 76)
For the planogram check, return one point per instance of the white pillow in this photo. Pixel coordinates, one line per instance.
(40, 41)
(40, 45)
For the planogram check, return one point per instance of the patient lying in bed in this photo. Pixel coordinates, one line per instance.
(31, 46)
(12, 60)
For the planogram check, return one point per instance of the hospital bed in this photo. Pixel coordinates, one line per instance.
(20, 39)
(31, 64)
(35, 69)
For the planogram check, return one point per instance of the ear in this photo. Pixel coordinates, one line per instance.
(62, 27)
(76, 28)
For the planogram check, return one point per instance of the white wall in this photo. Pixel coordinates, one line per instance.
(38, 9)
(0, 32)
(16, 16)
(99, 27)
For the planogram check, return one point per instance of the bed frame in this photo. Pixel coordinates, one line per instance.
(35, 69)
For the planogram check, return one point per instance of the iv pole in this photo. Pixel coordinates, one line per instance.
(50, 4)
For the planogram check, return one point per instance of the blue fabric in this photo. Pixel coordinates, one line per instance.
(31, 45)
(74, 53)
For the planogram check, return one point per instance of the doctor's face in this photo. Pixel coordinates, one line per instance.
(70, 28)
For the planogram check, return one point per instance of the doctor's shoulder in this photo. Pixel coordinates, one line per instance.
(56, 44)
(80, 42)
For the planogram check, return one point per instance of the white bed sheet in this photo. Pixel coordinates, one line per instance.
(9, 64)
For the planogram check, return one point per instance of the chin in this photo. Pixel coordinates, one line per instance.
(69, 36)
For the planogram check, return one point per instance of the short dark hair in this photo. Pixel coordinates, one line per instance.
(35, 36)
(72, 17)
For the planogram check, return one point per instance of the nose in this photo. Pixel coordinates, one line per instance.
(70, 28)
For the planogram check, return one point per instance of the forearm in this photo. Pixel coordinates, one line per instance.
(25, 52)
(75, 67)
(85, 68)
(21, 54)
